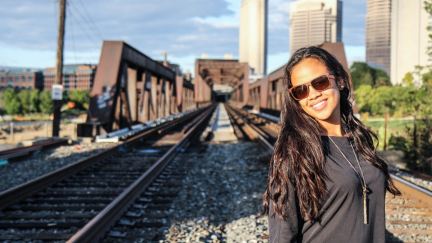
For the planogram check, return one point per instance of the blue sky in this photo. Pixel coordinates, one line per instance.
(186, 29)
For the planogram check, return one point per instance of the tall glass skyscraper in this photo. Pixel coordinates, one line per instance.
(313, 22)
(378, 34)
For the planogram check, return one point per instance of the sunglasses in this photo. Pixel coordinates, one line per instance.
(321, 83)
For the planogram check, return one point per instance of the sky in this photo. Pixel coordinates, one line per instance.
(185, 29)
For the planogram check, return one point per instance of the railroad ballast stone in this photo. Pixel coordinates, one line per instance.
(21, 171)
(221, 196)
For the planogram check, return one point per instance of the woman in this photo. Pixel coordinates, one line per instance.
(326, 183)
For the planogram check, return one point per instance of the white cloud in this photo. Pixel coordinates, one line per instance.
(218, 22)
(278, 14)
(185, 29)
(189, 37)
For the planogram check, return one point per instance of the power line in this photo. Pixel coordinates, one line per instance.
(71, 35)
(89, 23)
(88, 33)
(90, 18)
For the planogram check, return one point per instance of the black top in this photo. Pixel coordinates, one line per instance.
(342, 210)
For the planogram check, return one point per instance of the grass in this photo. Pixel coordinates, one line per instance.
(395, 127)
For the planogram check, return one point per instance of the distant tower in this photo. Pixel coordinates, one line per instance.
(313, 22)
(378, 34)
(409, 39)
(253, 35)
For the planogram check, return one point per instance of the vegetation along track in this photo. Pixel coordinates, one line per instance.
(408, 217)
(88, 195)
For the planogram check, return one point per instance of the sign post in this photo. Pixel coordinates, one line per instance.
(57, 98)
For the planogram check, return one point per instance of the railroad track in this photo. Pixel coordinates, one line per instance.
(81, 202)
(408, 217)
(19, 152)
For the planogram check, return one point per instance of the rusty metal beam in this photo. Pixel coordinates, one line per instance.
(124, 91)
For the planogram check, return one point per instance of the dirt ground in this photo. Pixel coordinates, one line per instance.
(32, 132)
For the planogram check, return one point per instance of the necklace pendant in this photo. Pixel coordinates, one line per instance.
(365, 206)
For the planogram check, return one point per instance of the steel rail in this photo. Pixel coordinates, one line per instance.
(101, 223)
(27, 150)
(17, 193)
(259, 135)
(422, 194)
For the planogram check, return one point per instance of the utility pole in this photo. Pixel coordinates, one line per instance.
(57, 88)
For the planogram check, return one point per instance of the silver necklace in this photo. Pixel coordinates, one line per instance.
(362, 180)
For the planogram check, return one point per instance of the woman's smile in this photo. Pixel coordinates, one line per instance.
(320, 105)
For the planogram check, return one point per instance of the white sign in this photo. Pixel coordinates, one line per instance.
(57, 92)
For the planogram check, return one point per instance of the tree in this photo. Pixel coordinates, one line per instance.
(362, 96)
(11, 102)
(24, 99)
(80, 98)
(46, 105)
(408, 79)
(34, 101)
(382, 101)
(381, 78)
(363, 74)
(360, 74)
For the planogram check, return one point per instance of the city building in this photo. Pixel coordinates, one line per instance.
(75, 77)
(21, 78)
(313, 22)
(378, 34)
(409, 39)
(253, 35)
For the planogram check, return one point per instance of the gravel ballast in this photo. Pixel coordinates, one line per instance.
(17, 172)
(221, 197)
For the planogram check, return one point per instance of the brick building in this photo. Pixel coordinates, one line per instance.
(75, 77)
(21, 78)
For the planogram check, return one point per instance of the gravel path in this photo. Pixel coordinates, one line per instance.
(221, 197)
(17, 172)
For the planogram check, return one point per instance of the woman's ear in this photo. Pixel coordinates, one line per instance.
(341, 84)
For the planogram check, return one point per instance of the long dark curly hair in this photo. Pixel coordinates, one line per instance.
(298, 157)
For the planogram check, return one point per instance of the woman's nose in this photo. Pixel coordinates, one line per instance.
(313, 93)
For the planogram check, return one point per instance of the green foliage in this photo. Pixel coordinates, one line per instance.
(34, 101)
(11, 102)
(362, 95)
(398, 143)
(363, 74)
(416, 145)
(80, 97)
(46, 104)
(396, 100)
(24, 99)
(427, 79)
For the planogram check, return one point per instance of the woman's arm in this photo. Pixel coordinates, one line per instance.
(286, 230)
